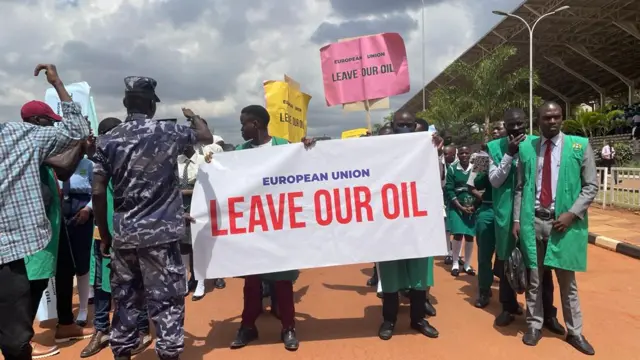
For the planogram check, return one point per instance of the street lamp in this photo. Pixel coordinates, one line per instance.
(531, 28)
(424, 95)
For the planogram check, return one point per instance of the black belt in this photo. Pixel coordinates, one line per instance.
(545, 214)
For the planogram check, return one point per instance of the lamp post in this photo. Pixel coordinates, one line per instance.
(424, 95)
(530, 28)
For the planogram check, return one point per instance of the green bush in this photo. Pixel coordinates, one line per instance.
(624, 153)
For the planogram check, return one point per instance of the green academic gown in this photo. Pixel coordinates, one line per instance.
(42, 265)
(456, 188)
(106, 271)
(291, 275)
(485, 233)
(503, 197)
(567, 250)
(416, 274)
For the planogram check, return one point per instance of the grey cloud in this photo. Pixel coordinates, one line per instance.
(104, 51)
(399, 22)
(351, 8)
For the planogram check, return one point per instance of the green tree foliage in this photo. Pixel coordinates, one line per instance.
(593, 123)
(486, 91)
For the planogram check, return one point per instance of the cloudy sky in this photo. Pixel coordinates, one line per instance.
(213, 55)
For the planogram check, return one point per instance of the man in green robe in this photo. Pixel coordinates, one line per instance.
(254, 120)
(556, 183)
(502, 169)
(415, 275)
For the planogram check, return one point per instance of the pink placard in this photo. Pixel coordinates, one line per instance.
(366, 68)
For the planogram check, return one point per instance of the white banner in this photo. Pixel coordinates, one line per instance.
(47, 309)
(342, 202)
(80, 93)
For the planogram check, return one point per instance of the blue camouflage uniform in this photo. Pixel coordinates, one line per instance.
(139, 156)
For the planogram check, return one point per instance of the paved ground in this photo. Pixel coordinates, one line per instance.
(622, 225)
(338, 319)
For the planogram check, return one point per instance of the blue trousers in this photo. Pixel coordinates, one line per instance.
(102, 300)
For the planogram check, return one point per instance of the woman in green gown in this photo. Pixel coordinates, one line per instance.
(461, 216)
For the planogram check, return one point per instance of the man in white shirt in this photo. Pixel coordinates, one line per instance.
(608, 155)
(188, 164)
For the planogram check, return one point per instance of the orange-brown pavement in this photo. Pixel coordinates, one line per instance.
(338, 318)
(622, 225)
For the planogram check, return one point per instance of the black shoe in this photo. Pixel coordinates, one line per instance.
(461, 262)
(448, 260)
(244, 337)
(220, 284)
(581, 344)
(424, 328)
(455, 272)
(123, 357)
(470, 271)
(99, 341)
(531, 337)
(373, 281)
(289, 339)
(504, 319)
(386, 330)
(553, 325)
(483, 299)
(380, 295)
(429, 309)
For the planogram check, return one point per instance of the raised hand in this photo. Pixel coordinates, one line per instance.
(50, 71)
(188, 113)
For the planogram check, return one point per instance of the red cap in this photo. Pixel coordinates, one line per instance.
(38, 108)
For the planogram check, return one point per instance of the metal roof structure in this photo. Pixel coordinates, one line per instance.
(581, 54)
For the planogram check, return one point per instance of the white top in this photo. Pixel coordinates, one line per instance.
(556, 154)
(608, 152)
(190, 165)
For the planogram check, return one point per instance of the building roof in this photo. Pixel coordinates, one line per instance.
(604, 30)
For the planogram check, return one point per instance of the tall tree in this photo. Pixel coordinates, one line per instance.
(488, 90)
(447, 110)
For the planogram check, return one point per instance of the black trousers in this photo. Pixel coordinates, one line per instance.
(37, 289)
(391, 305)
(65, 271)
(508, 298)
(16, 323)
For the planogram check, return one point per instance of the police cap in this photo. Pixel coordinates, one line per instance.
(141, 85)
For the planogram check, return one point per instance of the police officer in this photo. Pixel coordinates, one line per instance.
(139, 157)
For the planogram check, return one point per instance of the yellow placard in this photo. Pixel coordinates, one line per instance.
(355, 133)
(287, 108)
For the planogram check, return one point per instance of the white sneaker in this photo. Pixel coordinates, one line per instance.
(199, 292)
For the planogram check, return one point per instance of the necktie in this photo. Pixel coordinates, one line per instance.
(546, 195)
(184, 181)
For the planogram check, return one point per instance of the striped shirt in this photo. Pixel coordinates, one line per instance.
(24, 228)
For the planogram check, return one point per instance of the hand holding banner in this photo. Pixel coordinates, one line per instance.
(283, 208)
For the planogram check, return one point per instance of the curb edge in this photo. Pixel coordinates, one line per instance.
(617, 246)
